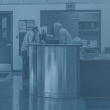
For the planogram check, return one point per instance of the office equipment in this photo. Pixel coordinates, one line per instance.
(92, 49)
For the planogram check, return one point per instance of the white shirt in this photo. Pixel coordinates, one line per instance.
(28, 39)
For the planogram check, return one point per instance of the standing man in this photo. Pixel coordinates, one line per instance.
(31, 36)
(64, 36)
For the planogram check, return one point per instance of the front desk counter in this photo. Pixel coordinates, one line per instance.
(95, 77)
(54, 70)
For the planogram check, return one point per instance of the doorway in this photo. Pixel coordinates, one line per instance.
(6, 41)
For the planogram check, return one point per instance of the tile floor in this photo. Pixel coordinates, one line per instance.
(14, 95)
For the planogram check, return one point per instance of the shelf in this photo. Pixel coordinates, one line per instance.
(89, 30)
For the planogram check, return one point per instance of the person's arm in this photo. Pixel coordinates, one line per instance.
(37, 38)
(31, 37)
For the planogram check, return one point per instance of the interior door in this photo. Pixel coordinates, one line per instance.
(5, 41)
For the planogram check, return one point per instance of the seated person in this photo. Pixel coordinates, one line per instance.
(64, 36)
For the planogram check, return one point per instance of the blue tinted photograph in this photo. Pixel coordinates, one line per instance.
(54, 54)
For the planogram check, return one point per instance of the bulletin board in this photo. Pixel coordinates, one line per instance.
(24, 26)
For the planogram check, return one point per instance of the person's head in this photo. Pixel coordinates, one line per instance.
(57, 26)
(35, 30)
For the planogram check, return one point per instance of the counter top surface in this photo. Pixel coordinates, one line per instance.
(36, 44)
(94, 59)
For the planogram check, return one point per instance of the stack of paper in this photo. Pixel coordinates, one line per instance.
(93, 43)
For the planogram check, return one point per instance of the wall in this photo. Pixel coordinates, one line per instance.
(50, 1)
(33, 12)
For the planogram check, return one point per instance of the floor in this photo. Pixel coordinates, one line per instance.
(14, 95)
